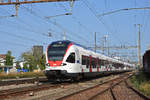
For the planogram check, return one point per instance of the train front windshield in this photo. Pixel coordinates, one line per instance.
(56, 51)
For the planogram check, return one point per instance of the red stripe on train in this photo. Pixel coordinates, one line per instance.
(67, 49)
(90, 67)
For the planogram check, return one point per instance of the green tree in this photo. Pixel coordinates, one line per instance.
(25, 66)
(9, 59)
(41, 62)
(29, 59)
(33, 61)
(0, 69)
(18, 65)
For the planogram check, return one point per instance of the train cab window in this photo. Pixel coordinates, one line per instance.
(71, 58)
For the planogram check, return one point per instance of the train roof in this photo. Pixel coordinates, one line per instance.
(68, 42)
(104, 57)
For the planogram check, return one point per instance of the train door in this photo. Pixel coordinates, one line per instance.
(97, 64)
(90, 67)
(84, 63)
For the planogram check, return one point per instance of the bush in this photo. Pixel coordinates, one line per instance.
(145, 88)
(141, 81)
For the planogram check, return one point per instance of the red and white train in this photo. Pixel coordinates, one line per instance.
(66, 59)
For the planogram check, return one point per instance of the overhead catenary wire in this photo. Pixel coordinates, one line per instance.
(30, 2)
(124, 9)
(101, 22)
(146, 22)
(27, 27)
(21, 37)
(146, 17)
(77, 21)
(99, 19)
(56, 24)
(14, 43)
(46, 20)
(18, 27)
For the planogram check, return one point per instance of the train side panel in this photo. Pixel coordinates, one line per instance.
(77, 61)
(146, 61)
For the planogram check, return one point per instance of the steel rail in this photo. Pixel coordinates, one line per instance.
(137, 91)
(24, 90)
(22, 81)
(107, 89)
(64, 97)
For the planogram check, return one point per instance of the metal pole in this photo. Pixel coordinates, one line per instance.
(139, 47)
(16, 7)
(64, 35)
(95, 41)
(108, 47)
(103, 45)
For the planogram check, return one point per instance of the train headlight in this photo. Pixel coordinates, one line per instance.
(47, 64)
(63, 64)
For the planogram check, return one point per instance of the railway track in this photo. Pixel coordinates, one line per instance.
(116, 89)
(119, 91)
(30, 89)
(8, 93)
(22, 81)
(129, 86)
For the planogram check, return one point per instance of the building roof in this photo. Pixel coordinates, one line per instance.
(6, 66)
(2, 56)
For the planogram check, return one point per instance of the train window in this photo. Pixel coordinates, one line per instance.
(71, 58)
(106, 62)
(99, 63)
(113, 64)
(93, 63)
(96, 62)
(87, 62)
(83, 60)
(102, 62)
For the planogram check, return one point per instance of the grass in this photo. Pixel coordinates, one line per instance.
(141, 81)
(20, 75)
(145, 88)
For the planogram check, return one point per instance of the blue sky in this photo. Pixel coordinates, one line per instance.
(19, 34)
